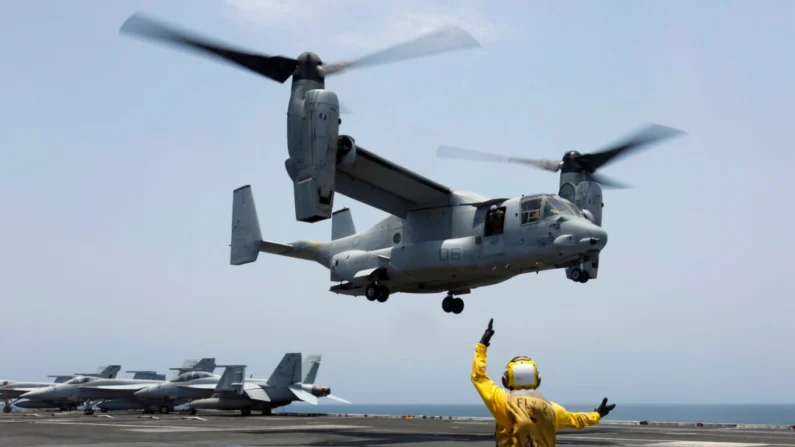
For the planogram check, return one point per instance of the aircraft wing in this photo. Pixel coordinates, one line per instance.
(385, 185)
(127, 387)
(25, 389)
(199, 386)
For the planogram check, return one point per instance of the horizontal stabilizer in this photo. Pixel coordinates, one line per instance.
(275, 248)
(304, 395)
(255, 392)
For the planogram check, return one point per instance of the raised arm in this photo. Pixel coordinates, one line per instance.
(492, 394)
(566, 419)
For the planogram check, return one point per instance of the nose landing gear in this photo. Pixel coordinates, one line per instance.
(452, 304)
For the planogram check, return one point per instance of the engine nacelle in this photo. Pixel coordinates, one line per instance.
(588, 196)
(345, 265)
(313, 170)
(316, 390)
(346, 150)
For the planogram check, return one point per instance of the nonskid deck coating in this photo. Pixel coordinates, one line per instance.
(231, 430)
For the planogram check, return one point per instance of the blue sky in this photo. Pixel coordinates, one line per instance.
(119, 158)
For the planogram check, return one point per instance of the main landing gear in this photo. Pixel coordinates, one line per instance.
(578, 275)
(377, 292)
(452, 304)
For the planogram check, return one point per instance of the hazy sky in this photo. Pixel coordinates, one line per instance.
(119, 158)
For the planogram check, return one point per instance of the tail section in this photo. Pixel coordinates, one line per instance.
(205, 365)
(187, 366)
(104, 372)
(288, 371)
(342, 224)
(232, 379)
(310, 366)
(247, 240)
(146, 375)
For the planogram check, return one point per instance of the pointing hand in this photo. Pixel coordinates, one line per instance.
(486, 339)
(604, 409)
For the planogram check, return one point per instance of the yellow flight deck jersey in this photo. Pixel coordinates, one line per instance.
(524, 417)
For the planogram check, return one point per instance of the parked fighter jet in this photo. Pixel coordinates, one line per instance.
(285, 385)
(89, 390)
(14, 390)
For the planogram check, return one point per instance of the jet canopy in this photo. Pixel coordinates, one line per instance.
(78, 380)
(193, 375)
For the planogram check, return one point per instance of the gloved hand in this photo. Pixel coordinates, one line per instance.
(486, 339)
(604, 409)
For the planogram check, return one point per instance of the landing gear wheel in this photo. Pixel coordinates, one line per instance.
(458, 305)
(88, 412)
(7, 408)
(576, 274)
(245, 411)
(383, 294)
(447, 304)
(267, 412)
(192, 411)
(371, 292)
(584, 277)
(164, 409)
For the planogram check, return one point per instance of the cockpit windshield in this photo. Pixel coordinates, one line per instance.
(78, 380)
(188, 376)
(538, 207)
(554, 206)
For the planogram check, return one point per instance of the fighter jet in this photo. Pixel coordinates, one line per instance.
(130, 401)
(90, 390)
(15, 390)
(285, 385)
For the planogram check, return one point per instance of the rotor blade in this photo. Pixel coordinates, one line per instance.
(607, 182)
(449, 38)
(277, 68)
(469, 154)
(651, 133)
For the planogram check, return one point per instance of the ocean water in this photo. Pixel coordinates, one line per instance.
(731, 414)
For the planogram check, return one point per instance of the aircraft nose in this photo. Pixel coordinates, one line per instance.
(36, 394)
(581, 233)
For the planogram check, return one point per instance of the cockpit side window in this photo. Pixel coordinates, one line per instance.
(531, 210)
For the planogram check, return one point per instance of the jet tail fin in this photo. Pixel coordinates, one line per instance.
(342, 224)
(232, 379)
(104, 372)
(309, 368)
(206, 364)
(187, 366)
(288, 371)
(146, 375)
(61, 379)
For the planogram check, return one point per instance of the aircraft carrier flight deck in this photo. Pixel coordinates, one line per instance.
(230, 429)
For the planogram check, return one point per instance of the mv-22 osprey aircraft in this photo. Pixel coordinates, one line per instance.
(436, 239)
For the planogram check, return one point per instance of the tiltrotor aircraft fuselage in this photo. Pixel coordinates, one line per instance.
(436, 239)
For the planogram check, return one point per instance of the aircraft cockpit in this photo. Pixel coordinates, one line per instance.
(540, 206)
(188, 376)
(78, 380)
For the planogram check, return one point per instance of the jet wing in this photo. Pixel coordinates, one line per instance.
(385, 185)
(25, 389)
(199, 386)
(127, 387)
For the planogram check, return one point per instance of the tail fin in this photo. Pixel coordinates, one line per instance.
(288, 371)
(309, 368)
(342, 224)
(247, 240)
(104, 372)
(232, 379)
(146, 375)
(187, 366)
(206, 364)
(246, 235)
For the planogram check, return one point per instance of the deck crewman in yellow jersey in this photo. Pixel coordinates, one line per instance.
(525, 418)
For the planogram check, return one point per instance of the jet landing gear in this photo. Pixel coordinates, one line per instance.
(580, 276)
(452, 304)
(378, 292)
